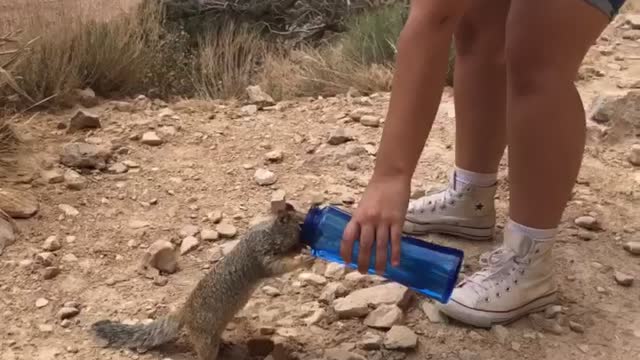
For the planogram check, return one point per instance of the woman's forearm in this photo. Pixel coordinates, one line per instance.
(421, 66)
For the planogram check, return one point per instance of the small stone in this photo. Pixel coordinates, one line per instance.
(69, 258)
(131, 164)
(226, 230)
(264, 177)
(384, 317)
(118, 168)
(576, 327)
(189, 230)
(45, 258)
(52, 244)
(335, 271)
(209, 235)
(548, 325)
(138, 224)
(215, 216)
(312, 278)
(634, 155)
(45, 328)
(278, 201)
(50, 272)
(65, 323)
(275, 156)
(83, 155)
(358, 113)
(161, 255)
(74, 181)
(258, 97)
(468, 355)
(41, 302)
(249, 110)
(53, 176)
(189, 243)
(390, 293)
(341, 354)
(229, 246)
(632, 247)
(623, 279)
(84, 120)
(433, 314)
(501, 333)
(349, 308)
(633, 20)
(160, 280)
(515, 346)
(588, 222)
(586, 235)
(69, 210)
(68, 312)
(166, 113)
(339, 136)
(271, 291)
(601, 290)
(370, 120)
(355, 278)
(370, 341)
(151, 138)
(400, 338)
(332, 291)
(552, 311)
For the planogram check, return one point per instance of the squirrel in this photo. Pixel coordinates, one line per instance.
(268, 249)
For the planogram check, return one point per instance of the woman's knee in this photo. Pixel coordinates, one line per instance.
(480, 34)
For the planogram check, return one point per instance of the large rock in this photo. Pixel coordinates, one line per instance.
(620, 112)
(82, 155)
(18, 204)
(339, 136)
(84, 120)
(258, 97)
(162, 256)
(349, 308)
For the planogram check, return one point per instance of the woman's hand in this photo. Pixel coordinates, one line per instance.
(378, 219)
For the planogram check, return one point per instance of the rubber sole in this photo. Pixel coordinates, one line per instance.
(487, 319)
(471, 233)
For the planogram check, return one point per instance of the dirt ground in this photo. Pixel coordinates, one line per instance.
(206, 164)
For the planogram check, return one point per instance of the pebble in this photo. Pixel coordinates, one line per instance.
(271, 291)
(552, 311)
(353, 163)
(45, 258)
(339, 136)
(633, 20)
(601, 290)
(50, 272)
(433, 314)
(45, 328)
(228, 246)
(249, 110)
(370, 341)
(548, 325)
(83, 155)
(68, 312)
(384, 317)
(189, 230)
(226, 230)
(275, 156)
(468, 355)
(84, 120)
(52, 244)
(355, 277)
(349, 308)
(586, 235)
(623, 279)
(215, 216)
(515, 346)
(131, 164)
(400, 337)
(501, 333)
(65, 323)
(335, 271)
(332, 291)
(53, 176)
(634, 155)
(264, 177)
(209, 235)
(341, 354)
(312, 278)
(278, 201)
(151, 138)
(632, 247)
(316, 317)
(69, 258)
(161, 255)
(258, 97)
(41, 302)
(118, 168)
(189, 243)
(388, 294)
(370, 120)
(69, 210)
(138, 224)
(73, 180)
(576, 327)
(587, 222)
(160, 280)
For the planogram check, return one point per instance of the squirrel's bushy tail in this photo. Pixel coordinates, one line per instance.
(141, 336)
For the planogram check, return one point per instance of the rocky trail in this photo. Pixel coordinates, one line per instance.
(121, 182)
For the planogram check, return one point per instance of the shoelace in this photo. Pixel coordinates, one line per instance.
(433, 200)
(497, 263)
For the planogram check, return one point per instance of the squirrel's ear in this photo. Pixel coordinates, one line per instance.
(284, 214)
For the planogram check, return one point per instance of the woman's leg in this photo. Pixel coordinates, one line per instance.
(546, 43)
(480, 102)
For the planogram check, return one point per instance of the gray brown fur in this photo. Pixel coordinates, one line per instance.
(268, 249)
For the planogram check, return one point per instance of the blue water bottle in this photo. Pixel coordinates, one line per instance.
(426, 268)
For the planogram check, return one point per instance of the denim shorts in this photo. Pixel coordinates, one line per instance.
(609, 7)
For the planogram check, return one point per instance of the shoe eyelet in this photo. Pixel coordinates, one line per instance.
(497, 294)
(515, 281)
(487, 299)
(537, 251)
(508, 289)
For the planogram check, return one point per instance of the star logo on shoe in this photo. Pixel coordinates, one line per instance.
(479, 207)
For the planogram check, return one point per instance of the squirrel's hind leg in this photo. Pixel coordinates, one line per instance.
(283, 265)
(207, 346)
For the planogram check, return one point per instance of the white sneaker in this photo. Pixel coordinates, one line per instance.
(517, 279)
(467, 211)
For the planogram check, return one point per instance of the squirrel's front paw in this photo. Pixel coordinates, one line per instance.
(305, 261)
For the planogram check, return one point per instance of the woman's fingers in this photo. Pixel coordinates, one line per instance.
(349, 237)
(382, 240)
(396, 234)
(367, 238)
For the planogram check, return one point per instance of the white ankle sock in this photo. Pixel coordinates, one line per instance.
(532, 233)
(466, 177)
